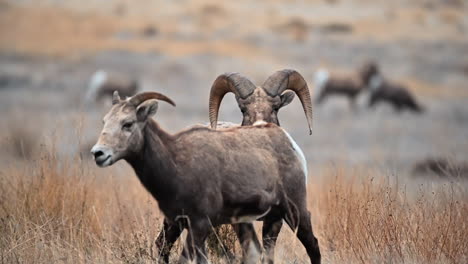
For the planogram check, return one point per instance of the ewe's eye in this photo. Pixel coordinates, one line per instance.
(127, 126)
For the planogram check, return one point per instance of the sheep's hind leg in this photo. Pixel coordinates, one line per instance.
(321, 97)
(250, 244)
(166, 239)
(305, 234)
(353, 104)
(271, 228)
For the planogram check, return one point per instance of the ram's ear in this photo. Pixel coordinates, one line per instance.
(146, 109)
(286, 98)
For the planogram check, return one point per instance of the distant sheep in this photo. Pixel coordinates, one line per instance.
(102, 85)
(382, 90)
(348, 86)
(441, 167)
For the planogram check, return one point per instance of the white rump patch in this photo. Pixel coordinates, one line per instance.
(299, 154)
(321, 77)
(375, 82)
(98, 79)
(259, 122)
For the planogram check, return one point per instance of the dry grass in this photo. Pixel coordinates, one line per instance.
(64, 210)
(22, 138)
(367, 218)
(59, 210)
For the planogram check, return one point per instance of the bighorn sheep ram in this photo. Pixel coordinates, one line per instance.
(103, 84)
(349, 86)
(259, 105)
(203, 177)
(382, 90)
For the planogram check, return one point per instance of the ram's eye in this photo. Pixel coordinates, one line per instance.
(127, 126)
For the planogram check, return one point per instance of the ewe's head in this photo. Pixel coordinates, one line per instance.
(122, 134)
(261, 103)
(369, 70)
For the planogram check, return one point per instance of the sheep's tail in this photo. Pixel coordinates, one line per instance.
(416, 107)
(98, 78)
(320, 79)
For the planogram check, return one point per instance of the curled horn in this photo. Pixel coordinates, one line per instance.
(225, 83)
(116, 97)
(287, 79)
(141, 97)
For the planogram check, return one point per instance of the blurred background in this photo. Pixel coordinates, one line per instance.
(55, 55)
(50, 49)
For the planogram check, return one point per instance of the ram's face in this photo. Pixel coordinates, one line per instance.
(260, 107)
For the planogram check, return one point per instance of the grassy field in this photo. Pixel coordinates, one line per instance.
(64, 210)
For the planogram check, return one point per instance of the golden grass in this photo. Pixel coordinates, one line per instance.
(60, 209)
(367, 218)
(21, 139)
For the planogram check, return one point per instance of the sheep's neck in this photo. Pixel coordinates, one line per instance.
(366, 78)
(154, 165)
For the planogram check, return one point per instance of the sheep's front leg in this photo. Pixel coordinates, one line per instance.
(352, 103)
(194, 249)
(166, 239)
(372, 101)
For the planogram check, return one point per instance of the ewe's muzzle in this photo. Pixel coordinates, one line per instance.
(102, 155)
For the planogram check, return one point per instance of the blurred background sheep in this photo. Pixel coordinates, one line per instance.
(103, 84)
(350, 86)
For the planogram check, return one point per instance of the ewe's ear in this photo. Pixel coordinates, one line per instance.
(286, 98)
(115, 98)
(146, 109)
